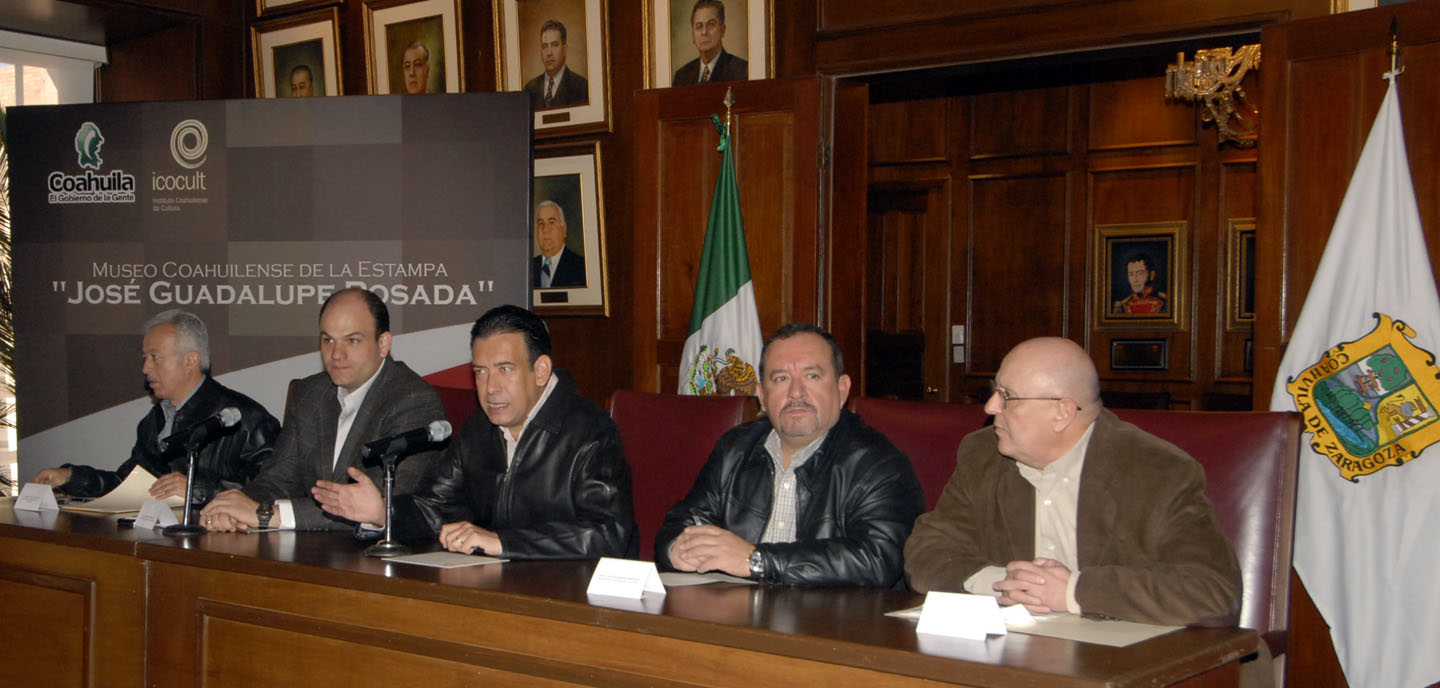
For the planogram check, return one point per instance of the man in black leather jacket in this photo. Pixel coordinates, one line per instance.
(808, 496)
(536, 473)
(176, 352)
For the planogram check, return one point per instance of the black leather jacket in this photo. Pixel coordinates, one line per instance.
(565, 496)
(858, 498)
(227, 462)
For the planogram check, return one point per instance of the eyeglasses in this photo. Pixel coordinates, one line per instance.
(1006, 397)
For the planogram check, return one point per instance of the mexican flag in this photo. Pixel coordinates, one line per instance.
(722, 352)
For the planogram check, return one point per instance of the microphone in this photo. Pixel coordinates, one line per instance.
(407, 443)
(199, 434)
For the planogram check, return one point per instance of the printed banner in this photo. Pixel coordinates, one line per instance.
(250, 213)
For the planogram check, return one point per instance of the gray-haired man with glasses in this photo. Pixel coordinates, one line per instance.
(1063, 507)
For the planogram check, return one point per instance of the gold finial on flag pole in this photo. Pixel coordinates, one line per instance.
(1394, 49)
(729, 101)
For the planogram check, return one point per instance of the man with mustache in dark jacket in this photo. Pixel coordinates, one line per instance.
(807, 496)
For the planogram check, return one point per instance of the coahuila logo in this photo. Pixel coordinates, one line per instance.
(188, 141)
(1373, 402)
(115, 187)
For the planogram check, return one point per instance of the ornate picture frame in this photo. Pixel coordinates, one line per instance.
(1240, 275)
(402, 33)
(285, 49)
(270, 8)
(567, 177)
(534, 37)
(1151, 255)
(671, 42)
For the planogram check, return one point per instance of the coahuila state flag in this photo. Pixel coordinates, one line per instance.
(724, 344)
(1360, 368)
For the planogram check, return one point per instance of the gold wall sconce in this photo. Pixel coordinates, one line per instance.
(1213, 78)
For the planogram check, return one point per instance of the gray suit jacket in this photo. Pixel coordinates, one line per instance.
(399, 401)
(1149, 547)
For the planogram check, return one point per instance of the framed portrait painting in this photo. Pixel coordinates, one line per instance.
(413, 46)
(270, 8)
(567, 263)
(702, 41)
(1240, 280)
(297, 56)
(555, 51)
(1140, 274)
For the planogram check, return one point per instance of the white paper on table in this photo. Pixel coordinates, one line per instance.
(154, 512)
(679, 579)
(444, 560)
(36, 497)
(960, 615)
(626, 578)
(1111, 632)
(126, 497)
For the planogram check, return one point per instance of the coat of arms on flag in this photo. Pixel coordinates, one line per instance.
(1371, 403)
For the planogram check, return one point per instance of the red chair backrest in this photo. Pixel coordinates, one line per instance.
(928, 433)
(667, 438)
(1250, 462)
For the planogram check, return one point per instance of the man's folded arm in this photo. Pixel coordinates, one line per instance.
(876, 525)
(704, 502)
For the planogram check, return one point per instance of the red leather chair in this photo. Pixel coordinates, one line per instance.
(1250, 462)
(928, 433)
(456, 388)
(667, 438)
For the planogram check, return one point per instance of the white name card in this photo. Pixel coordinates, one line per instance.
(36, 497)
(959, 615)
(154, 512)
(625, 578)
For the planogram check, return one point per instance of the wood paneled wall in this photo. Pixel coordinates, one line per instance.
(1019, 179)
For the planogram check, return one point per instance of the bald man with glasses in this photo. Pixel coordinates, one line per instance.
(1062, 507)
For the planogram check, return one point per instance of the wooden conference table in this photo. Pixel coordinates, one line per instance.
(86, 602)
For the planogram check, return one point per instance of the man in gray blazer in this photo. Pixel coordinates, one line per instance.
(363, 395)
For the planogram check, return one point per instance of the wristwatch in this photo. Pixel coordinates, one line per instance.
(757, 564)
(264, 513)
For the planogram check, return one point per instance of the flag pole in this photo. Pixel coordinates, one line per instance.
(1394, 49)
(730, 101)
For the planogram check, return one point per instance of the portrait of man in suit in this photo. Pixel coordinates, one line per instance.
(415, 65)
(302, 82)
(299, 69)
(415, 55)
(707, 33)
(556, 265)
(558, 85)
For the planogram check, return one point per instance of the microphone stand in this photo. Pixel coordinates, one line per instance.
(185, 527)
(388, 547)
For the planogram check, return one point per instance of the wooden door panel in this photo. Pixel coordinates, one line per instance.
(908, 279)
(1020, 122)
(1017, 265)
(1114, 122)
(1164, 194)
